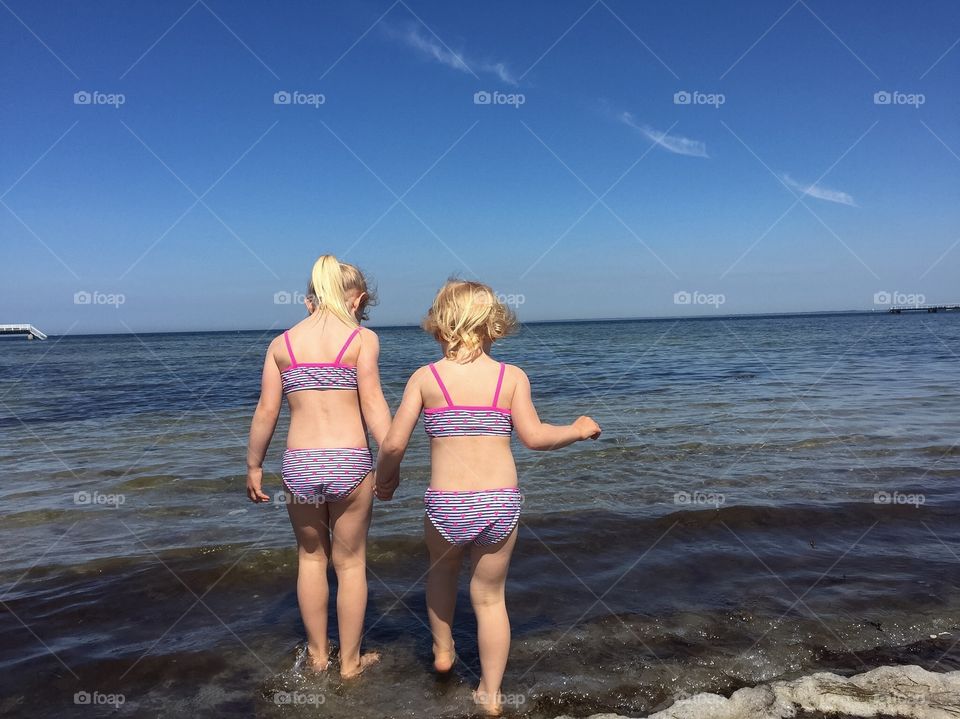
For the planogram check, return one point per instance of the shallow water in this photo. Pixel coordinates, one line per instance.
(770, 497)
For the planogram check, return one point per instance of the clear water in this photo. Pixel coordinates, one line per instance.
(770, 497)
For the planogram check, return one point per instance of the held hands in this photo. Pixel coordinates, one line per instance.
(587, 428)
(255, 484)
(386, 486)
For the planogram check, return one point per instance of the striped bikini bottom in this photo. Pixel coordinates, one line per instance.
(325, 474)
(481, 517)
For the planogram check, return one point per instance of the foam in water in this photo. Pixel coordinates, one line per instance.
(904, 691)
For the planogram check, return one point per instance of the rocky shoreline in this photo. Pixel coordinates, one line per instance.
(893, 691)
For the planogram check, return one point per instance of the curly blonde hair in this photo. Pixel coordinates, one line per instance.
(467, 315)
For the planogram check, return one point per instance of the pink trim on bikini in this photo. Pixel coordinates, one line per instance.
(443, 387)
(336, 363)
(345, 345)
(293, 360)
(434, 410)
(496, 395)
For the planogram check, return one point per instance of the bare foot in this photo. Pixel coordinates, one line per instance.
(488, 704)
(444, 659)
(318, 663)
(366, 660)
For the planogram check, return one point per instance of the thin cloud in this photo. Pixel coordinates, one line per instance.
(673, 143)
(429, 47)
(819, 192)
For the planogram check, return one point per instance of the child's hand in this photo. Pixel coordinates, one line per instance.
(254, 485)
(587, 428)
(385, 487)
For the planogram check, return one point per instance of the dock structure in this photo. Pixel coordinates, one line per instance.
(924, 308)
(30, 331)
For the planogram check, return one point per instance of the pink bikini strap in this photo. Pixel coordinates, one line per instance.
(443, 387)
(293, 360)
(347, 344)
(496, 395)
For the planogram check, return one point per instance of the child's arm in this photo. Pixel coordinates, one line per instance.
(539, 435)
(374, 407)
(263, 425)
(395, 443)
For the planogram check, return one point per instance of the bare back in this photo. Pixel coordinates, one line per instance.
(470, 462)
(322, 417)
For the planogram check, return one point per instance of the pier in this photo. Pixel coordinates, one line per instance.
(924, 308)
(30, 331)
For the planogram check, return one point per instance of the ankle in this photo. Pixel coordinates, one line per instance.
(487, 696)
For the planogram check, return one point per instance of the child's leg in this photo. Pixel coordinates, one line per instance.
(487, 593)
(349, 522)
(445, 560)
(313, 552)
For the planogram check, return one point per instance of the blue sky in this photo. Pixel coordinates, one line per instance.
(781, 186)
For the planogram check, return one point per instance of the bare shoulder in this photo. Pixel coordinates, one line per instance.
(514, 373)
(276, 344)
(419, 375)
(369, 337)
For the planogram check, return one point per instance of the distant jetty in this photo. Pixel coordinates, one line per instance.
(30, 331)
(924, 308)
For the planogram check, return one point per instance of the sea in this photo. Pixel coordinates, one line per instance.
(771, 497)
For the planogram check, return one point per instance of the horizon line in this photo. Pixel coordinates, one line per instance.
(658, 318)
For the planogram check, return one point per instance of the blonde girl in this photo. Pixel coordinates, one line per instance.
(326, 366)
(471, 404)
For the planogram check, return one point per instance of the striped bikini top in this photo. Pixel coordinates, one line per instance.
(456, 420)
(319, 375)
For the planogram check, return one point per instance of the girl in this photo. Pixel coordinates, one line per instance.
(471, 403)
(326, 365)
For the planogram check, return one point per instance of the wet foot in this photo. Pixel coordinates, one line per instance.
(488, 704)
(317, 662)
(444, 659)
(366, 660)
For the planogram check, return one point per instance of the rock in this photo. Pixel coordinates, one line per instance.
(904, 691)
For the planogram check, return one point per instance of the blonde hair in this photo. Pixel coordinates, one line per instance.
(466, 315)
(330, 283)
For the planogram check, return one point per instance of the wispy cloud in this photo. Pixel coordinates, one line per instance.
(821, 193)
(674, 143)
(432, 48)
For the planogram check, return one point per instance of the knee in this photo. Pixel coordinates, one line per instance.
(312, 549)
(313, 552)
(484, 596)
(346, 561)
